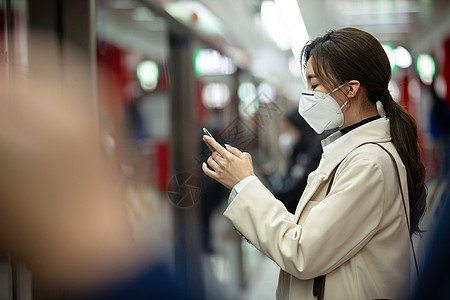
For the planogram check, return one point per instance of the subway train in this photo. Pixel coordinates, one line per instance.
(105, 105)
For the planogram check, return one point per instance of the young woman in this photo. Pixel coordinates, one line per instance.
(350, 235)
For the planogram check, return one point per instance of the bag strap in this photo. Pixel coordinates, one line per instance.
(404, 208)
(319, 281)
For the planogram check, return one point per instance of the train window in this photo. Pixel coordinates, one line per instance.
(133, 91)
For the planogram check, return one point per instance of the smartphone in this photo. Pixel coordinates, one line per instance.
(208, 133)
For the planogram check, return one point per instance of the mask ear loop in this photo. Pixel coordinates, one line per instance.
(337, 88)
(345, 103)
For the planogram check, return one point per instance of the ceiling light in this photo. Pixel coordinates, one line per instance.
(211, 62)
(272, 21)
(426, 68)
(148, 74)
(294, 24)
(402, 57)
(216, 95)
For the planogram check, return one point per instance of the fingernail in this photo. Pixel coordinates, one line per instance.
(226, 145)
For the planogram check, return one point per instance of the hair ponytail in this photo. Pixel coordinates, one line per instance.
(404, 137)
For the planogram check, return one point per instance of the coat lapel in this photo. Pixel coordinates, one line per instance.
(376, 132)
(321, 177)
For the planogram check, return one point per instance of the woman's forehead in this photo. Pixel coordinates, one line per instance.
(314, 71)
(309, 68)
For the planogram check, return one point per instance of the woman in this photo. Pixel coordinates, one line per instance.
(354, 220)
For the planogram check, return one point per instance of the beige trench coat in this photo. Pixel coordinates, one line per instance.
(357, 235)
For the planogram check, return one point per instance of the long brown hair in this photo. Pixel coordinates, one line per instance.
(352, 54)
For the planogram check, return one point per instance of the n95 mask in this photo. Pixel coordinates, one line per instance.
(320, 110)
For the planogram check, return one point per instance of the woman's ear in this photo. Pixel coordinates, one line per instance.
(354, 88)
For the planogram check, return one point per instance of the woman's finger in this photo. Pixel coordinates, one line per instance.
(209, 172)
(210, 148)
(215, 146)
(212, 164)
(219, 159)
(248, 155)
(233, 150)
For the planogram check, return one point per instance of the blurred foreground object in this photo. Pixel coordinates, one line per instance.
(60, 210)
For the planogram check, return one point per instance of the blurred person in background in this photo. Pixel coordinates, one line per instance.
(434, 279)
(350, 237)
(300, 144)
(61, 211)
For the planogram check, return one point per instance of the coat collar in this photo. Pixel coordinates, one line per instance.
(375, 132)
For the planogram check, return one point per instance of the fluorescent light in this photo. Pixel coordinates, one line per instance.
(426, 68)
(272, 21)
(216, 95)
(294, 24)
(148, 74)
(284, 24)
(402, 57)
(211, 62)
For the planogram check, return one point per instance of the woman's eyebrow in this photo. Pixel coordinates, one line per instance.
(310, 76)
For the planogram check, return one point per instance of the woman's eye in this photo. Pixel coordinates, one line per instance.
(314, 86)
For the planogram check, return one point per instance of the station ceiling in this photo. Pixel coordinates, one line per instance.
(414, 24)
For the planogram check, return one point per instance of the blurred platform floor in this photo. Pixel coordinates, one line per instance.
(224, 279)
(260, 275)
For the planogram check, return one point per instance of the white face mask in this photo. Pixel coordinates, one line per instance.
(320, 110)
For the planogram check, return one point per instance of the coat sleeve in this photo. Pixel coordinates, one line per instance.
(334, 231)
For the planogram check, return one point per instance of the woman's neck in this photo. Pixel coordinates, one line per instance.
(357, 113)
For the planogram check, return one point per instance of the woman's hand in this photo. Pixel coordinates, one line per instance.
(227, 166)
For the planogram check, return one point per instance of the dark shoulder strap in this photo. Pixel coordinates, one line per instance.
(400, 183)
(319, 281)
(404, 207)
